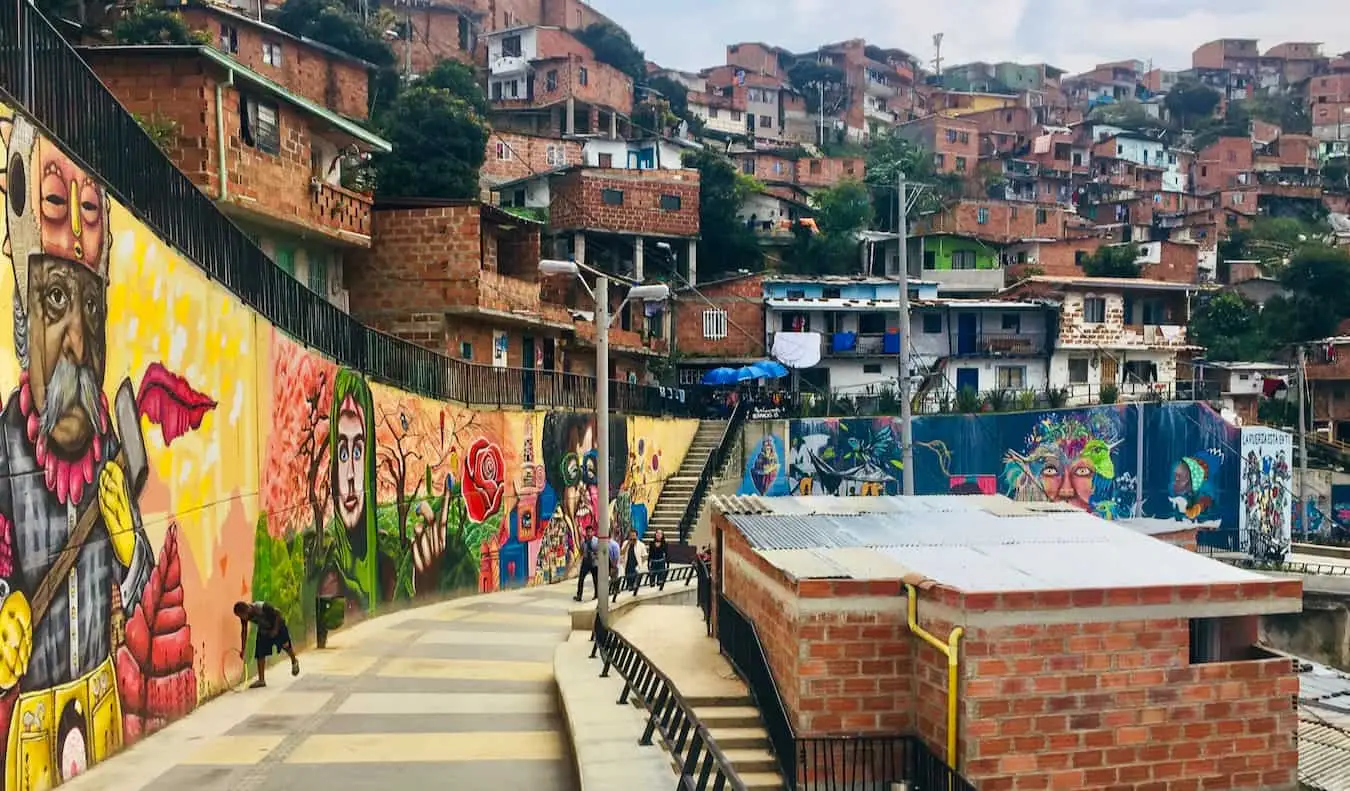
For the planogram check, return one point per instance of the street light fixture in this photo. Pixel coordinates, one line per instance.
(652, 293)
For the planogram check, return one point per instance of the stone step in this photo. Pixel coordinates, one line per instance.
(761, 781)
(752, 760)
(740, 738)
(728, 716)
(715, 701)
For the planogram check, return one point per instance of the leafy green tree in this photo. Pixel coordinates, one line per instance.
(809, 76)
(1113, 260)
(841, 212)
(1189, 102)
(461, 81)
(439, 142)
(725, 243)
(1231, 328)
(613, 46)
(1287, 112)
(888, 156)
(148, 23)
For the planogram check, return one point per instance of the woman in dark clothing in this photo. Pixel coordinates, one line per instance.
(658, 560)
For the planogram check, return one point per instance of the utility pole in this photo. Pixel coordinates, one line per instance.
(1302, 442)
(906, 409)
(937, 56)
(821, 86)
(602, 446)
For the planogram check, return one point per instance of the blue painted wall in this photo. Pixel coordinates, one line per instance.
(1088, 457)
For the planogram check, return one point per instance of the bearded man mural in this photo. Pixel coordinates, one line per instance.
(77, 574)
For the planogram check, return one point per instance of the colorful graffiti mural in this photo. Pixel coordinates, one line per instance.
(1176, 461)
(166, 452)
(1264, 520)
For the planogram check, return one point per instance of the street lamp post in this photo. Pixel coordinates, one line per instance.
(652, 293)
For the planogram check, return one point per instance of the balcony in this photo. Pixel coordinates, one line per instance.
(1020, 169)
(853, 344)
(342, 210)
(509, 65)
(875, 87)
(965, 280)
(998, 344)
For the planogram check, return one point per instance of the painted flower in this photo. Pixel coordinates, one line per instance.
(483, 483)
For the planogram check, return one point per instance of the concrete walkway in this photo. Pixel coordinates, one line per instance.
(453, 695)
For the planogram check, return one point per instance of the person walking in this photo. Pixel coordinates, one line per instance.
(634, 555)
(590, 545)
(272, 636)
(658, 560)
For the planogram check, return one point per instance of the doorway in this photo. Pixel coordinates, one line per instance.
(967, 333)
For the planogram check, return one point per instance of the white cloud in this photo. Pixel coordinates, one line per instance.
(1071, 34)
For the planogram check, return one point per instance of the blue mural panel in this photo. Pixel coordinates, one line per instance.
(766, 472)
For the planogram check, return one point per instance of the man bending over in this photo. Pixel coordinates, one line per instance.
(272, 636)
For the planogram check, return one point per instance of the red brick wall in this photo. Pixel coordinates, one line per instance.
(605, 86)
(1057, 259)
(528, 156)
(571, 14)
(753, 57)
(1006, 222)
(743, 301)
(1329, 89)
(576, 201)
(1219, 163)
(333, 81)
(435, 37)
(828, 171)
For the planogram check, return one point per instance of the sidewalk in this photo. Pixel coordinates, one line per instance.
(453, 695)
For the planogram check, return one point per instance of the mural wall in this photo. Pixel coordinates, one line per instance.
(165, 453)
(1264, 517)
(1176, 461)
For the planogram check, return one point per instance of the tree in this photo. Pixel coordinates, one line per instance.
(1190, 101)
(887, 157)
(439, 142)
(1114, 260)
(1127, 114)
(726, 244)
(1287, 112)
(147, 23)
(461, 81)
(612, 46)
(841, 212)
(810, 77)
(1230, 327)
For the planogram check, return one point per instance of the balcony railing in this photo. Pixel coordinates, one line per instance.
(342, 209)
(43, 76)
(998, 344)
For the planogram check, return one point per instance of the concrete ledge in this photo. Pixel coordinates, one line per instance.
(1322, 551)
(603, 733)
(583, 615)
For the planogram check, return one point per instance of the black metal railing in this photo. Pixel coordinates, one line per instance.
(712, 467)
(42, 75)
(650, 579)
(857, 762)
(702, 765)
(740, 644)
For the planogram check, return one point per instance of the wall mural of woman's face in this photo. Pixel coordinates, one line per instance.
(1057, 476)
(580, 497)
(351, 464)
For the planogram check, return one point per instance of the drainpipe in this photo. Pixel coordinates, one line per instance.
(951, 650)
(222, 174)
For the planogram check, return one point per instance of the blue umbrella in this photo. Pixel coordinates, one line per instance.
(746, 374)
(769, 369)
(720, 376)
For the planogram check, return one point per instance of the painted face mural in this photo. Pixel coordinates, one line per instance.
(1192, 493)
(1068, 459)
(571, 465)
(350, 543)
(83, 632)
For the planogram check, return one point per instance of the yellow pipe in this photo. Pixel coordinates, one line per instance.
(950, 649)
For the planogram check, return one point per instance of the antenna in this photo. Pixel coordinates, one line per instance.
(937, 55)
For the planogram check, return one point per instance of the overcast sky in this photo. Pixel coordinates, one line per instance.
(1070, 34)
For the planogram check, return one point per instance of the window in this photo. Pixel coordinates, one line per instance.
(1094, 310)
(606, 160)
(503, 151)
(1237, 198)
(815, 167)
(714, 324)
(932, 324)
(748, 166)
(1140, 372)
(765, 122)
(1011, 377)
(963, 259)
(271, 53)
(583, 76)
(960, 164)
(466, 350)
(1012, 322)
(318, 273)
(464, 33)
(929, 259)
(1078, 371)
(258, 126)
(556, 156)
(611, 197)
(514, 89)
(796, 293)
(939, 161)
(831, 292)
(551, 81)
(1155, 311)
(1079, 256)
(670, 203)
(1041, 216)
(982, 215)
(511, 47)
(871, 323)
(872, 368)
(496, 91)
(229, 39)
(963, 137)
(284, 258)
(690, 376)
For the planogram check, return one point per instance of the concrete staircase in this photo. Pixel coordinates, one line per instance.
(679, 488)
(736, 728)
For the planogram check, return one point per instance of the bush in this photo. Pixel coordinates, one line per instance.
(1109, 394)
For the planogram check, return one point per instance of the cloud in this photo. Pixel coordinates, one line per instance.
(1071, 34)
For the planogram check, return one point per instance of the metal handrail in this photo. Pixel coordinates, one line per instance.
(656, 579)
(702, 765)
(740, 644)
(712, 467)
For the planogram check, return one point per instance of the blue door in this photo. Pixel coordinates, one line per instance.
(968, 378)
(967, 332)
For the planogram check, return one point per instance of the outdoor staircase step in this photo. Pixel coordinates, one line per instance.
(740, 738)
(761, 781)
(715, 701)
(752, 760)
(728, 716)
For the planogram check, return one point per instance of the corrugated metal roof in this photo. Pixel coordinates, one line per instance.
(1324, 727)
(982, 543)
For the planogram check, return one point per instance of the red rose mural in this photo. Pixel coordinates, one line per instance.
(483, 485)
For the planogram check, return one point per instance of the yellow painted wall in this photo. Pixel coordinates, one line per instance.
(270, 473)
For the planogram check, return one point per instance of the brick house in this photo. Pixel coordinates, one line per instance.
(808, 173)
(542, 80)
(953, 142)
(762, 94)
(511, 156)
(1081, 671)
(1128, 333)
(1173, 262)
(998, 221)
(722, 323)
(1328, 369)
(283, 166)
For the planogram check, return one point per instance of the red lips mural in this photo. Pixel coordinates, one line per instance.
(171, 403)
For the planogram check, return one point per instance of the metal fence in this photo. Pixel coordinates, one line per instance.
(43, 75)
